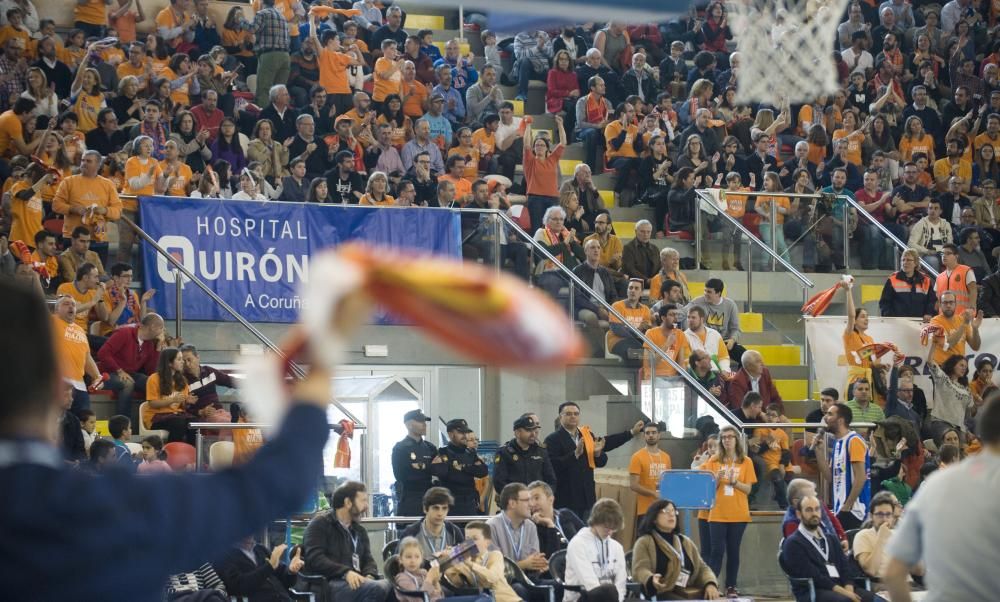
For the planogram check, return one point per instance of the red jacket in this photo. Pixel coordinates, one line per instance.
(207, 121)
(122, 352)
(560, 84)
(738, 387)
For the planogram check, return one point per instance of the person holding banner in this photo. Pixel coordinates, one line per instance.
(859, 366)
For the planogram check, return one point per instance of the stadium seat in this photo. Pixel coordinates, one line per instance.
(568, 166)
(220, 455)
(870, 292)
(518, 106)
(133, 448)
(143, 431)
(181, 456)
(417, 22)
(608, 197)
(607, 348)
(393, 568)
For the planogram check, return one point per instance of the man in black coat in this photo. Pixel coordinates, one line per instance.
(411, 462)
(522, 459)
(253, 574)
(568, 450)
(457, 469)
(809, 553)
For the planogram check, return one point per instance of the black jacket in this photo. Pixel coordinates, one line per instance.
(586, 273)
(411, 462)
(641, 260)
(516, 465)
(989, 295)
(551, 540)
(257, 582)
(630, 82)
(453, 534)
(284, 128)
(329, 548)
(801, 559)
(457, 469)
(575, 488)
(71, 433)
(912, 303)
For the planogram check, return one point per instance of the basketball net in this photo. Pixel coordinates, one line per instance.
(786, 49)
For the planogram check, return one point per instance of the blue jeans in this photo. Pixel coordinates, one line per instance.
(525, 73)
(125, 391)
(779, 246)
(593, 140)
(81, 400)
(705, 538)
(370, 591)
(537, 206)
(726, 539)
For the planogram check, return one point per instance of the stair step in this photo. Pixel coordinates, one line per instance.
(792, 389)
(567, 167)
(752, 322)
(608, 196)
(779, 355)
(870, 292)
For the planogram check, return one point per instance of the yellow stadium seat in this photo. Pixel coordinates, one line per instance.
(792, 389)
(870, 292)
(608, 197)
(568, 166)
(518, 107)
(102, 428)
(625, 229)
(696, 289)
(416, 22)
(779, 355)
(752, 322)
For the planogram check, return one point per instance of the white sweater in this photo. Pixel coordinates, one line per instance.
(583, 561)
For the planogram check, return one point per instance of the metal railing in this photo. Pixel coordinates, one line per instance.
(260, 336)
(752, 240)
(900, 245)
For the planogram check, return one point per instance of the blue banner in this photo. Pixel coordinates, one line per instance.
(255, 255)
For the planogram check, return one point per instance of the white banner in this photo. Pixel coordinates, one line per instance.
(826, 343)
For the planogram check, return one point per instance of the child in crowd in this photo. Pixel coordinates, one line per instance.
(88, 424)
(120, 428)
(491, 50)
(486, 568)
(427, 45)
(154, 459)
(414, 577)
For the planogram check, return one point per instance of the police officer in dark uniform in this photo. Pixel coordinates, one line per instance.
(411, 462)
(522, 459)
(457, 469)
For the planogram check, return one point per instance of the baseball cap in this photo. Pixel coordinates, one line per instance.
(458, 424)
(436, 97)
(415, 415)
(525, 422)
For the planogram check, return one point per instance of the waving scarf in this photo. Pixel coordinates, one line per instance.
(588, 446)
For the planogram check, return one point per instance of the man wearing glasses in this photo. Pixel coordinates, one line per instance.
(870, 543)
(957, 278)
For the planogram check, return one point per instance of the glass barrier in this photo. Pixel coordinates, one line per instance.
(881, 242)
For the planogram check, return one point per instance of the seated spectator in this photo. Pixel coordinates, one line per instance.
(562, 244)
(640, 258)
(514, 517)
(295, 186)
(723, 316)
(640, 81)
(864, 409)
(88, 427)
(422, 62)
(463, 74)
(338, 549)
(177, 175)
(485, 569)
(799, 489)
(124, 305)
(77, 254)
(599, 279)
(595, 561)
(870, 543)
(455, 174)
(752, 375)
(120, 429)
(670, 262)
(192, 143)
(702, 369)
(152, 459)
(202, 382)
(930, 234)
(102, 456)
(556, 528)
(532, 53)
(414, 577)
(622, 340)
(268, 151)
(422, 143)
(130, 355)
(625, 141)
(809, 553)
(72, 437)
(376, 192)
(484, 97)
(249, 570)
(667, 563)
(168, 398)
(593, 114)
(434, 534)
(45, 254)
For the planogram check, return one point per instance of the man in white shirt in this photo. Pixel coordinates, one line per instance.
(705, 339)
(857, 57)
(594, 560)
(508, 139)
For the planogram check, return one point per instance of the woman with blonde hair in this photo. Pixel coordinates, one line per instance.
(729, 517)
(773, 232)
(915, 140)
(670, 269)
(39, 90)
(570, 203)
(87, 99)
(377, 191)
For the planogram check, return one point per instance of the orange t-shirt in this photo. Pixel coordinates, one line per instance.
(7, 32)
(736, 205)
(236, 39)
(949, 326)
(413, 104)
(82, 317)
(81, 191)
(852, 345)
(731, 504)
(92, 12)
(71, 55)
(10, 130)
(26, 216)
(126, 68)
(481, 136)
(817, 154)
(463, 186)
(648, 467)
(125, 26)
(764, 203)
(136, 167)
(179, 96)
(72, 348)
(772, 456)
(153, 393)
(853, 145)
(678, 352)
(612, 131)
(657, 281)
(178, 186)
(399, 135)
(87, 106)
(385, 86)
(923, 144)
(333, 71)
(634, 316)
(984, 140)
(168, 20)
(387, 201)
(542, 176)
